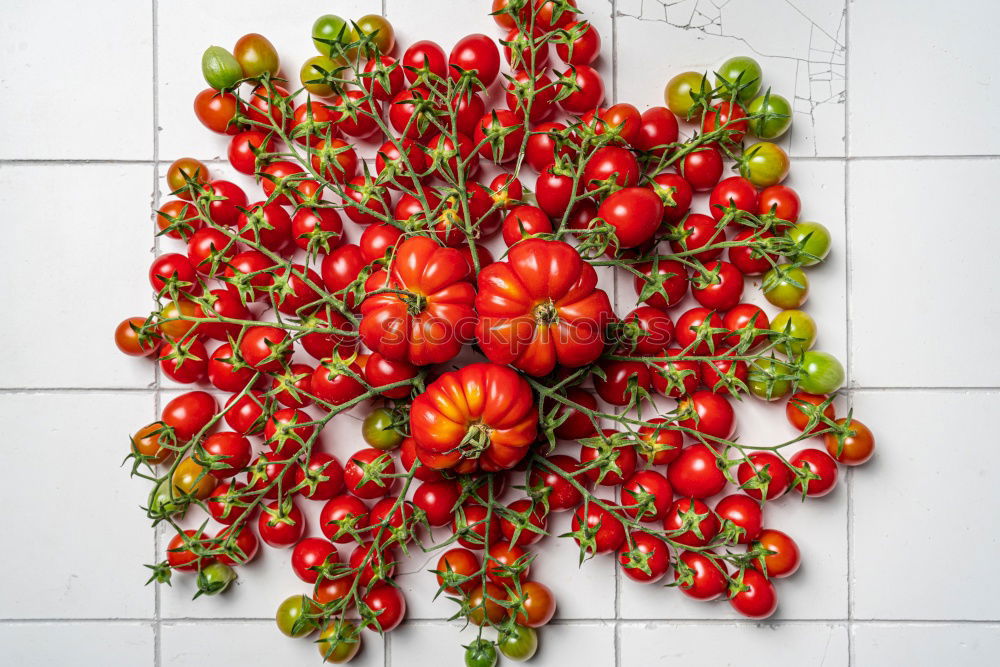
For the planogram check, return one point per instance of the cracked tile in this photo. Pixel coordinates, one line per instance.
(801, 48)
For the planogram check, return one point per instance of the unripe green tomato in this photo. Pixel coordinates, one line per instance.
(256, 56)
(814, 241)
(481, 653)
(215, 578)
(741, 72)
(311, 75)
(820, 372)
(764, 164)
(377, 430)
(519, 644)
(678, 92)
(797, 324)
(765, 379)
(290, 611)
(220, 68)
(339, 642)
(162, 501)
(768, 126)
(383, 36)
(786, 287)
(331, 28)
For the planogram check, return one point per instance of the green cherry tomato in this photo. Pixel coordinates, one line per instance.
(796, 324)
(742, 74)
(162, 500)
(764, 164)
(220, 68)
(330, 28)
(678, 92)
(820, 372)
(383, 36)
(519, 644)
(481, 653)
(256, 55)
(775, 116)
(813, 240)
(770, 379)
(312, 74)
(291, 616)
(339, 642)
(786, 287)
(378, 431)
(215, 578)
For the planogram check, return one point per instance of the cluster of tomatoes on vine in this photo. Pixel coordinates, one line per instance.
(420, 286)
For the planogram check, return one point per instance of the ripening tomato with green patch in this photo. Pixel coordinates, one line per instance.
(681, 90)
(851, 446)
(764, 164)
(786, 286)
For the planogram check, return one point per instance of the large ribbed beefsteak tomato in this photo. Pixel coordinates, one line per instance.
(484, 412)
(541, 307)
(430, 315)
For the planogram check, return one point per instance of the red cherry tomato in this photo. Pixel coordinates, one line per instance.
(763, 468)
(818, 463)
(695, 473)
(309, 555)
(646, 560)
(702, 167)
(711, 415)
(690, 522)
(579, 45)
(784, 560)
(745, 513)
(475, 53)
(756, 597)
(699, 576)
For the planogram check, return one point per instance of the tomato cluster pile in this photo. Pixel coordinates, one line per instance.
(472, 370)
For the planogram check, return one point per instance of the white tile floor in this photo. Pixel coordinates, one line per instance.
(895, 147)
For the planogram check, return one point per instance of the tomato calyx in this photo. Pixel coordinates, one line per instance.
(639, 502)
(690, 521)
(655, 283)
(281, 513)
(161, 573)
(452, 580)
(495, 134)
(352, 525)
(608, 448)
(374, 471)
(545, 313)
(637, 559)
(730, 532)
(477, 440)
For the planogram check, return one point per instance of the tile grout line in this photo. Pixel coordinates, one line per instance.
(848, 285)
(584, 621)
(157, 590)
(155, 387)
(47, 162)
(387, 637)
(617, 642)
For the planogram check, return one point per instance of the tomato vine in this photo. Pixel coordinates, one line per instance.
(476, 370)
